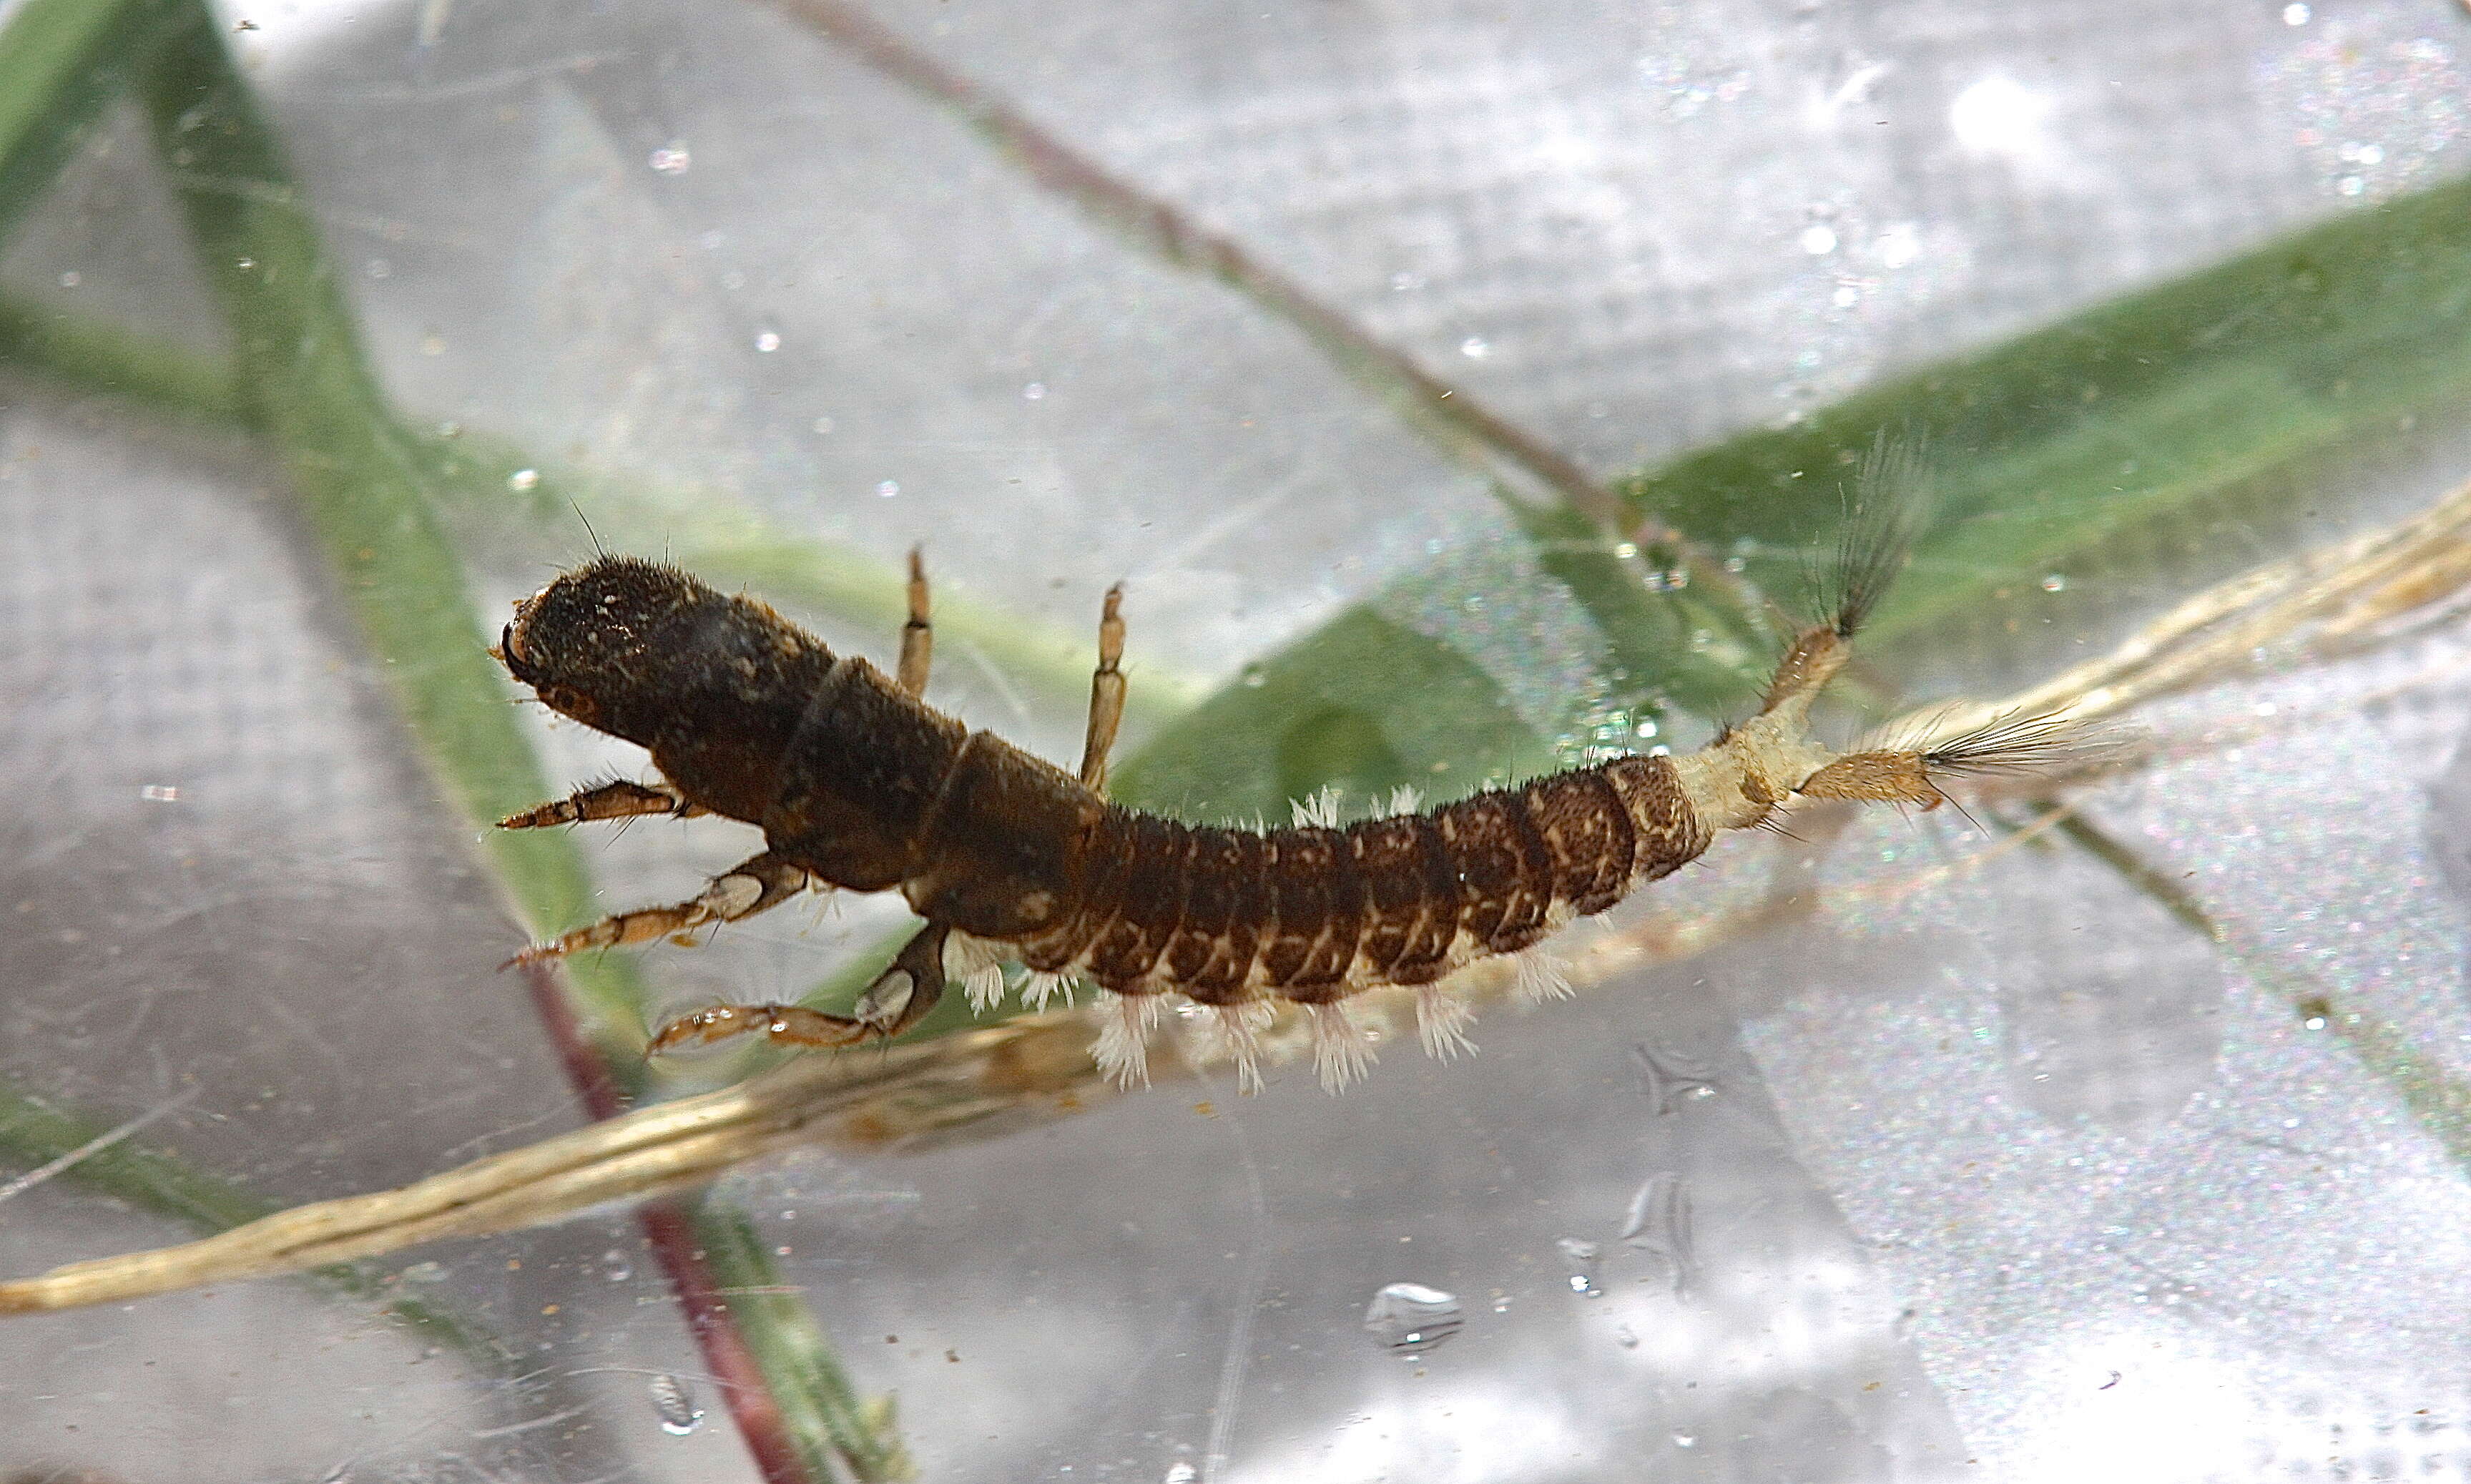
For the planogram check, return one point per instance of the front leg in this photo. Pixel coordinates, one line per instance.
(746, 888)
(899, 998)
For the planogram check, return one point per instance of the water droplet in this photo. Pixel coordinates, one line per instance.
(1475, 347)
(1035, 391)
(1411, 1318)
(1819, 240)
(1623, 1338)
(1737, 564)
(822, 425)
(424, 1273)
(1846, 296)
(159, 793)
(380, 268)
(523, 480)
(71, 280)
(2350, 185)
(1255, 676)
(2055, 583)
(1579, 1255)
(767, 342)
(1684, 1439)
(675, 1405)
(1182, 1474)
(886, 489)
(1645, 729)
(449, 429)
(615, 1267)
(673, 159)
(1626, 551)
(2295, 16)
(247, 264)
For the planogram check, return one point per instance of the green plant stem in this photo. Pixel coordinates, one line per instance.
(60, 62)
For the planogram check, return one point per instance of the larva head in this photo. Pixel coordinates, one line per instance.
(595, 643)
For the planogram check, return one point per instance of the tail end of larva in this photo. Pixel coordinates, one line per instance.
(1886, 511)
(2013, 746)
(2044, 745)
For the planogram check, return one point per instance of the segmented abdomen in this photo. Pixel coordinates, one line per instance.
(1316, 914)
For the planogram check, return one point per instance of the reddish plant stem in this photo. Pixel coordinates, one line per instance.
(669, 1232)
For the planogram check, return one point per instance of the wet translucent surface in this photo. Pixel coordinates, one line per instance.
(1986, 1166)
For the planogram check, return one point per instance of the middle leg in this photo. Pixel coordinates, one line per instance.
(746, 888)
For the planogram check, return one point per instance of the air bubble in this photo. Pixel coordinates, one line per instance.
(71, 280)
(767, 342)
(675, 1405)
(1255, 678)
(886, 489)
(615, 1267)
(2055, 583)
(523, 480)
(159, 793)
(1035, 391)
(1475, 347)
(672, 158)
(1182, 1474)
(2295, 16)
(1581, 1255)
(1411, 1318)
(1819, 240)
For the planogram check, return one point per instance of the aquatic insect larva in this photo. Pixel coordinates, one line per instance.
(857, 783)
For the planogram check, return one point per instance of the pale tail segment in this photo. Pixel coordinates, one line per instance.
(858, 784)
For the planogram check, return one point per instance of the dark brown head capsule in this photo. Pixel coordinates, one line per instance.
(713, 685)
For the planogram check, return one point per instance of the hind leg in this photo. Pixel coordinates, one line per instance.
(899, 998)
(1106, 694)
(918, 634)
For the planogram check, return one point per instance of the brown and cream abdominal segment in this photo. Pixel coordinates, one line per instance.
(858, 784)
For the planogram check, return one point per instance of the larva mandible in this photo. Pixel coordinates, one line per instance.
(857, 783)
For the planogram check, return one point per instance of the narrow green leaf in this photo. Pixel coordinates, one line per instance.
(62, 61)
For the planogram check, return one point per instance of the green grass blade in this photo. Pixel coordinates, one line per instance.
(62, 61)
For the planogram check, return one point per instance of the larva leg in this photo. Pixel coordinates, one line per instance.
(900, 997)
(918, 635)
(619, 800)
(1106, 694)
(740, 892)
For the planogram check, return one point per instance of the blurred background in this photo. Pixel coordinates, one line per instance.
(1458, 390)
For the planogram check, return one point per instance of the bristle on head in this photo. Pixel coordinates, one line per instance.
(1442, 1021)
(1123, 1047)
(1341, 1054)
(1404, 800)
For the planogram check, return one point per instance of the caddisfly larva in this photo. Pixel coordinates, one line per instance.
(857, 783)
